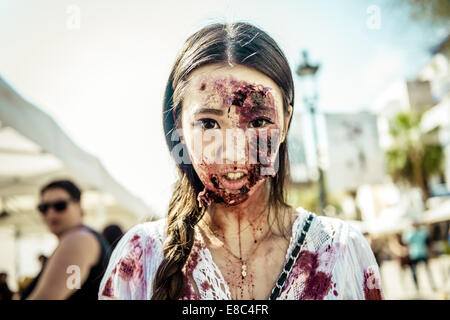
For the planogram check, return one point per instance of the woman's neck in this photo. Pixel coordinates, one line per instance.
(242, 226)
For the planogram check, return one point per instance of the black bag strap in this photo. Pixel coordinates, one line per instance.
(292, 259)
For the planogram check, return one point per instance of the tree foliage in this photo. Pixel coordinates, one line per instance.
(414, 157)
(432, 11)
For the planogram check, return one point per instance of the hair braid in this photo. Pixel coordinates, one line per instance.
(184, 214)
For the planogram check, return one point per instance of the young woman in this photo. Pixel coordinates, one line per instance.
(229, 232)
(76, 267)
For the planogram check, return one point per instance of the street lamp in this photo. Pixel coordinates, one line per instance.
(306, 69)
(308, 72)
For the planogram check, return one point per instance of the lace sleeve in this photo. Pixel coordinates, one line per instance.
(362, 275)
(131, 268)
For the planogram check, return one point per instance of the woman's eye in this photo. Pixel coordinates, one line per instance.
(207, 124)
(259, 123)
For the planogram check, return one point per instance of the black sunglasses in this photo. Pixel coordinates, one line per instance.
(59, 206)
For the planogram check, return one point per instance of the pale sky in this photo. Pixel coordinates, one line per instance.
(103, 82)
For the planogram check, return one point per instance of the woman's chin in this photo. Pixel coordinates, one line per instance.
(235, 201)
(237, 197)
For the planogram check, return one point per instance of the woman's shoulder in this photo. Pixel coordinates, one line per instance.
(134, 262)
(150, 234)
(346, 254)
(328, 230)
(150, 229)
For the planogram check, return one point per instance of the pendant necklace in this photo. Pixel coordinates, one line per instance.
(242, 261)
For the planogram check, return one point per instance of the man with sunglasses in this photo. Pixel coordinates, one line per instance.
(76, 267)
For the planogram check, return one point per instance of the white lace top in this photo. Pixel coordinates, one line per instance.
(336, 262)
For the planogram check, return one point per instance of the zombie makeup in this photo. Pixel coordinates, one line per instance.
(234, 111)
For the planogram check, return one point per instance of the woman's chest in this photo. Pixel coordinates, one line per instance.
(253, 277)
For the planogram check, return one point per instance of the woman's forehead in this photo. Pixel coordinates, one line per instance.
(215, 85)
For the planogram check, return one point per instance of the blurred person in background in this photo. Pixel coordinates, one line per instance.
(400, 253)
(112, 233)
(75, 268)
(447, 249)
(437, 240)
(5, 293)
(417, 241)
(376, 247)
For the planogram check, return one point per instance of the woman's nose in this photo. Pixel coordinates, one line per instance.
(234, 146)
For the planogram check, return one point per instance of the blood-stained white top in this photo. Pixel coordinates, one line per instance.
(336, 262)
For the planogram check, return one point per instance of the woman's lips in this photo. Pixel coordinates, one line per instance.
(231, 183)
(223, 170)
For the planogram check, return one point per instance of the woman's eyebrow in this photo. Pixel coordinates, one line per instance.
(208, 110)
(261, 108)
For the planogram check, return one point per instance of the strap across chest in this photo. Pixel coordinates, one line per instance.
(292, 259)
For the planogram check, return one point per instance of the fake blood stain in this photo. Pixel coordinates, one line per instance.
(317, 283)
(108, 289)
(193, 259)
(191, 263)
(205, 285)
(371, 292)
(130, 267)
(188, 292)
(213, 190)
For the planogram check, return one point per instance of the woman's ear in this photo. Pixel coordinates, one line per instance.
(287, 119)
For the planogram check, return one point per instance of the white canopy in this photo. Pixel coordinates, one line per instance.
(439, 212)
(34, 150)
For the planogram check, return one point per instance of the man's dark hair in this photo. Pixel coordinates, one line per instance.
(112, 233)
(67, 185)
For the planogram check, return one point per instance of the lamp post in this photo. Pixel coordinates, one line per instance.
(307, 72)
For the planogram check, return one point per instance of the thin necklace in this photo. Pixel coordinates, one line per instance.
(242, 261)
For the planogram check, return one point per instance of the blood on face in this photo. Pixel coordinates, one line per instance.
(249, 109)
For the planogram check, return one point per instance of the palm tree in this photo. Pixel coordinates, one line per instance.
(414, 157)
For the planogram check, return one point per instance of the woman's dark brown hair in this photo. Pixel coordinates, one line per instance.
(229, 44)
